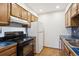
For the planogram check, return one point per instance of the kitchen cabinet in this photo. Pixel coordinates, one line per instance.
(71, 53)
(4, 13)
(29, 16)
(13, 9)
(74, 10)
(68, 18)
(33, 18)
(70, 21)
(8, 51)
(78, 7)
(36, 18)
(62, 47)
(66, 49)
(20, 12)
(24, 14)
(29, 19)
(16, 10)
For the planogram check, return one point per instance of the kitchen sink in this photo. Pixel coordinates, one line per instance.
(73, 42)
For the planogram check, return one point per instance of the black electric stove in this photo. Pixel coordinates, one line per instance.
(24, 43)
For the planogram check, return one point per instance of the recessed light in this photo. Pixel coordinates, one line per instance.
(57, 6)
(40, 10)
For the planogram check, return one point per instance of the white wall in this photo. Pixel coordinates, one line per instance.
(54, 24)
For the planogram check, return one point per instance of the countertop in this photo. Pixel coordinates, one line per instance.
(4, 44)
(7, 44)
(69, 37)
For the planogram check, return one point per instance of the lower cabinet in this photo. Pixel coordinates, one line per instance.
(8, 51)
(71, 53)
(65, 49)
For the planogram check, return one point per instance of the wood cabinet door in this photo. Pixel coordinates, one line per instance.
(24, 14)
(78, 7)
(4, 13)
(74, 10)
(33, 18)
(66, 19)
(36, 18)
(16, 10)
(69, 18)
(66, 50)
(29, 19)
(71, 53)
(7, 51)
(29, 16)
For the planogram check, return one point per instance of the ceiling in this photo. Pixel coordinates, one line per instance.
(42, 8)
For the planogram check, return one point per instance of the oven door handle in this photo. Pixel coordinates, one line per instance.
(25, 44)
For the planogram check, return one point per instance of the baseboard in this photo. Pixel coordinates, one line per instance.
(39, 52)
(52, 48)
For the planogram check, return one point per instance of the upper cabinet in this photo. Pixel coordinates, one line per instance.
(34, 18)
(29, 19)
(68, 18)
(78, 8)
(24, 14)
(4, 13)
(13, 9)
(71, 16)
(74, 9)
(16, 10)
(20, 12)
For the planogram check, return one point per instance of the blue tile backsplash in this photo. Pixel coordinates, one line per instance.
(75, 32)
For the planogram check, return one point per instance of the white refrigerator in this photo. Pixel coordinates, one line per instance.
(37, 30)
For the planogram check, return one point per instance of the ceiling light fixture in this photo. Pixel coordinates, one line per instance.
(57, 7)
(40, 10)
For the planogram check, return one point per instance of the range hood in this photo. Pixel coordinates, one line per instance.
(18, 20)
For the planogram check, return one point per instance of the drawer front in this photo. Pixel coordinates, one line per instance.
(6, 48)
(8, 51)
(14, 54)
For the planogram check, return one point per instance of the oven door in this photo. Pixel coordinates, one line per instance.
(28, 48)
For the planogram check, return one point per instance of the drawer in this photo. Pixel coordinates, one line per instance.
(14, 54)
(8, 51)
(6, 48)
